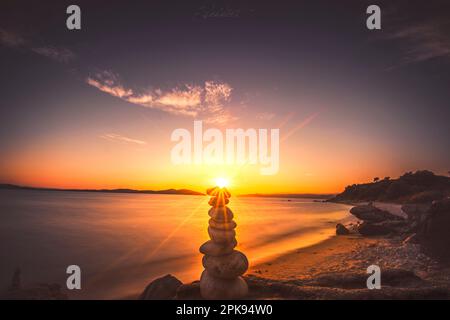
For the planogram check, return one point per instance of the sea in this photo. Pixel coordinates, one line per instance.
(121, 242)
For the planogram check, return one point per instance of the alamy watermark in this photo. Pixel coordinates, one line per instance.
(73, 282)
(73, 21)
(234, 146)
(374, 280)
(373, 22)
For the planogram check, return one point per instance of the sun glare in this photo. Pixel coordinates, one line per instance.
(222, 182)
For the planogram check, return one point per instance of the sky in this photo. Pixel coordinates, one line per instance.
(96, 107)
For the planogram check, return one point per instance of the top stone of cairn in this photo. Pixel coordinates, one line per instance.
(216, 191)
(219, 196)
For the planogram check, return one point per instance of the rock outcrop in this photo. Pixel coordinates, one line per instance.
(433, 229)
(370, 213)
(427, 225)
(341, 230)
(373, 229)
(164, 288)
(421, 186)
(377, 222)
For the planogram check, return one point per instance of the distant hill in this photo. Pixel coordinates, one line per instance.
(168, 191)
(418, 187)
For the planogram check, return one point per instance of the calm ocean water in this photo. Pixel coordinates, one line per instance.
(122, 241)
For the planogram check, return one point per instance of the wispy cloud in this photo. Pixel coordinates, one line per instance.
(207, 101)
(63, 55)
(15, 40)
(423, 42)
(10, 39)
(184, 101)
(122, 139)
(418, 37)
(108, 82)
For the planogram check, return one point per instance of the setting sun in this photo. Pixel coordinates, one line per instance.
(222, 182)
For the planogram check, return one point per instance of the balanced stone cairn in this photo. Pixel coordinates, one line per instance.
(223, 265)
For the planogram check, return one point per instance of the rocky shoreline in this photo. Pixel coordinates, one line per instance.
(410, 251)
(337, 271)
(425, 224)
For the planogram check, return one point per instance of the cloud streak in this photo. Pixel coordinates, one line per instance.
(108, 82)
(423, 42)
(419, 37)
(14, 40)
(10, 39)
(113, 137)
(207, 101)
(62, 55)
(299, 126)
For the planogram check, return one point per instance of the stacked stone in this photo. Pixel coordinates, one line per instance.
(223, 265)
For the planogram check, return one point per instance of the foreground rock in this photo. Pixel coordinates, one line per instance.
(415, 212)
(189, 291)
(369, 213)
(428, 224)
(390, 277)
(270, 289)
(373, 229)
(433, 231)
(341, 230)
(377, 222)
(383, 228)
(396, 284)
(164, 288)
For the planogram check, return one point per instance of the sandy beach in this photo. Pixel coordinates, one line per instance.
(349, 254)
(352, 253)
(336, 268)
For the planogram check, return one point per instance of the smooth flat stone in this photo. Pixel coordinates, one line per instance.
(221, 236)
(217, 249)
(229, 225)
(218, 202)
(226, 267)
(212, 288)
(221, 214)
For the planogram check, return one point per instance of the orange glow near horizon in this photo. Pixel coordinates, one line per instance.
(56, 169)
(310, 162)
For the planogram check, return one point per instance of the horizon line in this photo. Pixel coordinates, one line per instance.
(132, 190)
